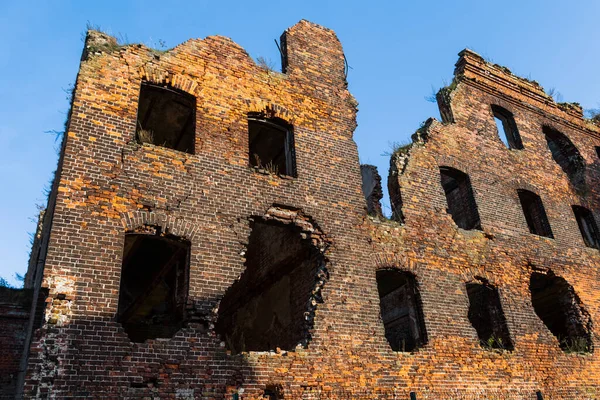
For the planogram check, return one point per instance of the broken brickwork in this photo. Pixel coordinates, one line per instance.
(290, 289)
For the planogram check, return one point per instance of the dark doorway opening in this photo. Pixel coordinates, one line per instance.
(401, 309)
(154, 286)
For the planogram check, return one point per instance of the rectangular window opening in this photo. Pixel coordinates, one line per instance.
(153, 290)
(271, 145)
(166, 117)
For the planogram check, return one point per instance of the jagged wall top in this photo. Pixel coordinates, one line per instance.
(303, 56)
(499, 80)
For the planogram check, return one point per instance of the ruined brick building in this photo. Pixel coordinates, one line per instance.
(211, 234)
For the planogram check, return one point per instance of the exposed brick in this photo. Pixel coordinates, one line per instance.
(108, 185)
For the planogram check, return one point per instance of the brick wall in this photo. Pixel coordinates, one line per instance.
(109, 185)
(15, 305)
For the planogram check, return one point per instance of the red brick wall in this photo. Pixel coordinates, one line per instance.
(110, 185)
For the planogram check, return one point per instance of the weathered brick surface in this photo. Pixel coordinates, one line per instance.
(15, 306)
(109, 185)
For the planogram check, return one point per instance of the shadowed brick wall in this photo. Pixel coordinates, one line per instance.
(15, 305)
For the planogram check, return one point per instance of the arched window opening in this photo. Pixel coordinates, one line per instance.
(273, 303)
(587, 226)
(535, 214)
(566, 155)
(507, 128)
(558, 306)
(166, 117)
(487, 317)
(401, 310)
(154, 286)
(460, 198)
(271, 145)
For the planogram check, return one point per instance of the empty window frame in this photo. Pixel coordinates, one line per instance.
(401, 309)
(271, 145)
(154, 285)
(166, 117)
(486, 315)
(460, 198)
(507, 128)
(587, 226)
(566, 155)
(535, 214)
(273, 302)
(558, 306)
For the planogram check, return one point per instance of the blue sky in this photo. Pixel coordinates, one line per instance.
(398, 51)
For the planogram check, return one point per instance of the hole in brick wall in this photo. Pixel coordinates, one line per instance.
(371, 187)
(271, 145)
(401, 309)
(273, 303)
(566, 155)
(166, 117)
(587, 226)
(507, 127)
(151, 382)
(486, 315)
(559, 307)
(535, 214)
(460, 199)
(273, 392)
(395, 199)
(153, 290)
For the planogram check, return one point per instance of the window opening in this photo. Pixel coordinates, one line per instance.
(153, 290)
(487, 317)
(507, 128)
(401, 310)
(535, 214)
(166, 117)
(566, 155)
(273, 302)
(271, 145)
(587, 226)
(558, 306)
(460, 199)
